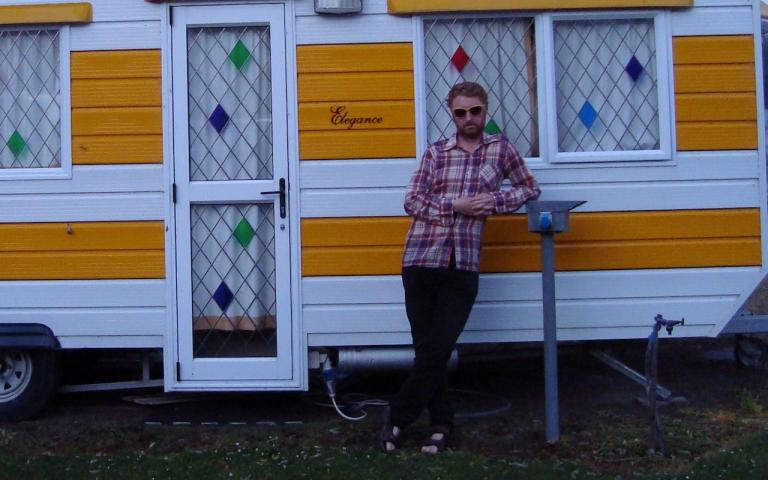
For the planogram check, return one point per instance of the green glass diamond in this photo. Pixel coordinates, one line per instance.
(16, 143)
(244, 233)
(491, 128)
(239, 55)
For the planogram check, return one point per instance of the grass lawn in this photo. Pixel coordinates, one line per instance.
(720, 433)
(284, 460)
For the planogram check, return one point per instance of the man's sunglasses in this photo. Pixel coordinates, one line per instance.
(474, 110)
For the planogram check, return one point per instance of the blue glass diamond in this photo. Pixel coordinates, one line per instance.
(219, 118)
(588, 114)
(634, 68)
(223, 296)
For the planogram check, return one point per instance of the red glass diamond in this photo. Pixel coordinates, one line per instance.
(460, 58)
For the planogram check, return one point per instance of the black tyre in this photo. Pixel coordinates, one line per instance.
(27, 380)
(750, 352)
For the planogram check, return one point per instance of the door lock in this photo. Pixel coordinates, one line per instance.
(280, 192)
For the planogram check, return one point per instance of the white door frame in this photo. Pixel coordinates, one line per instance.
(296, 378)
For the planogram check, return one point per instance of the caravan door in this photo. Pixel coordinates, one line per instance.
(230, 145)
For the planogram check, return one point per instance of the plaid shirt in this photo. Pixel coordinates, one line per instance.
(447, 172)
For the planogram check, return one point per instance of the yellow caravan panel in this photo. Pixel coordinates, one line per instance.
(595, 241)
(46, 13)
(422, 6)
(371, 84)
(81, 250)
(107, 88)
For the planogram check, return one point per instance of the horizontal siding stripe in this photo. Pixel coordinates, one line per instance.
(115, 64)
(595, 241)
(526, 287)
(509, 303)
(716, 135)
(321, 116)
(80, 12)
(345, 87)
(83, 294)
(570, 257)
(495, 336)
(357, 144)
(83, 207)
(99, 250)
(119, 35)
(117, 121)
(371, 57)
(426, 6)
(335, 29)
(714, 78)
(35, 237)
(692, 107)
(610, 196)
(116, 149)
(112, 92)
(136, 264)
(524, 315)
(690, 166)
(692, 224)
(90, 179)
(719, 49)
(713, 20)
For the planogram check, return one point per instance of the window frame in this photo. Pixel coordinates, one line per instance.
(545, 91)
(662, 38)
(64, 171)
(419, 74)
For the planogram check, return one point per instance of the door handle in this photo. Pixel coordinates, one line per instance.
(280, 192)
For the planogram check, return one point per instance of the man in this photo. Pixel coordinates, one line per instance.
(455, 187)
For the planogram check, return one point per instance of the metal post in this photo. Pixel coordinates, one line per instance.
(548, 218)
(551, 402)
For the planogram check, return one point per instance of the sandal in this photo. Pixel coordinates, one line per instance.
(437, 441)
(390, 435)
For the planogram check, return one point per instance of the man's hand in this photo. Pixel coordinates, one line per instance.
(477, 206)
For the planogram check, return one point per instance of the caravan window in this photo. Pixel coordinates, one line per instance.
(609, 84)
(564, 87)
(498, 53)
(34, 103)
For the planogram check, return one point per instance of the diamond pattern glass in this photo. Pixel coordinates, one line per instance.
(219, 118)
(239, 54)
(590, 61)
(491, 128)
(634, 68)
(587, 114)
(233, 285)
(497, 53)
(230, 103)
(16, 143)
(244, 233)
(29, 99)
(460, 58)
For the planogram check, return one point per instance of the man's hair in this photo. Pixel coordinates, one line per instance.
(467, 89)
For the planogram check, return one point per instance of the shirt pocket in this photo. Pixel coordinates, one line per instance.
(490, 179)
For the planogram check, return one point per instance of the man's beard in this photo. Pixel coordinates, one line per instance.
(471, 133)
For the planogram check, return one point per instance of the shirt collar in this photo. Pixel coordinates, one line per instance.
(451, 143)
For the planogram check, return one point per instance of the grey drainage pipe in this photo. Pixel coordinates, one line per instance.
(371, 359)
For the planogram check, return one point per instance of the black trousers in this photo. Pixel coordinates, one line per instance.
(438, 302)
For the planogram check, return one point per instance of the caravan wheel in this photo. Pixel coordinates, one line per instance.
(27, 379)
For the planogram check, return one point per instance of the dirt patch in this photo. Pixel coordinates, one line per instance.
(603, 426)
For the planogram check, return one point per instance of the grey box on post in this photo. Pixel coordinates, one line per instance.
(549, 216)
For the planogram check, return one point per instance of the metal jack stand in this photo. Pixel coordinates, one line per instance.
(652, 373)
(548, 218)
